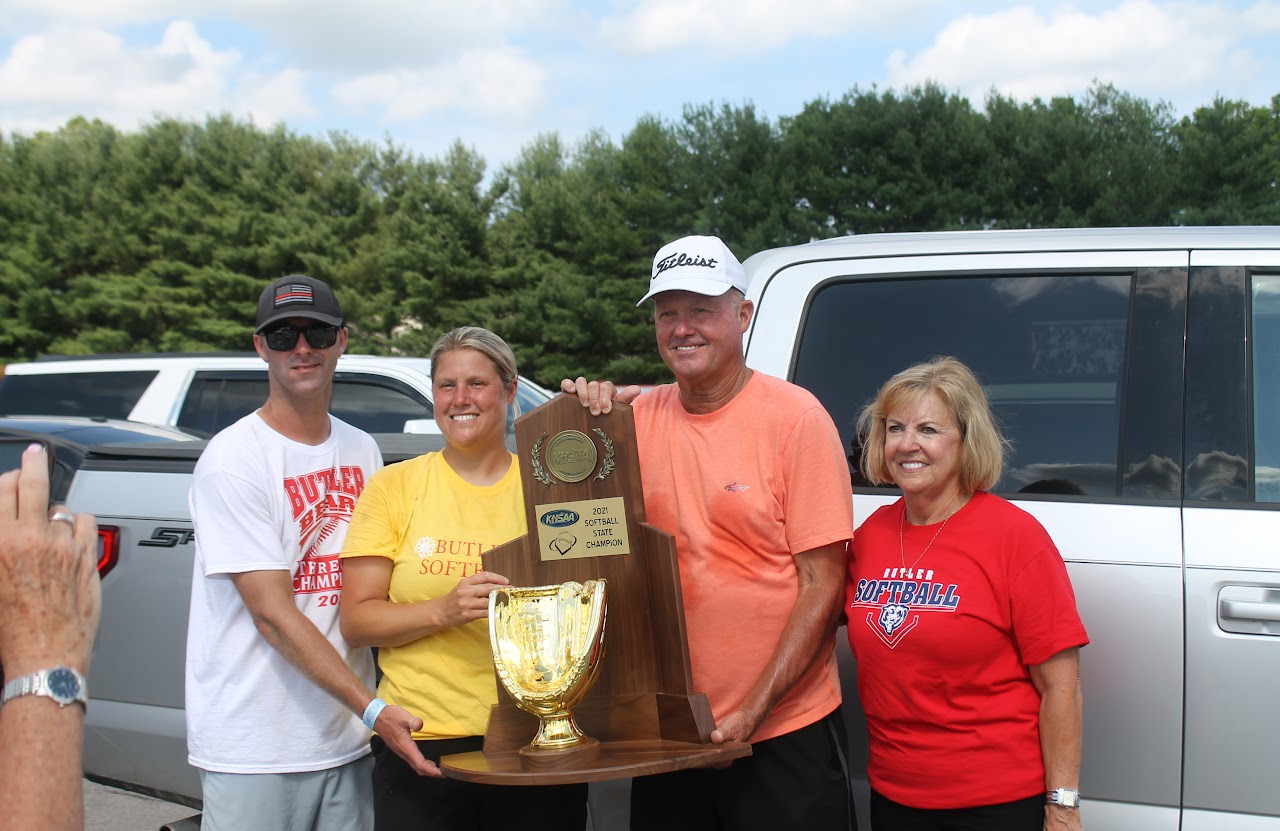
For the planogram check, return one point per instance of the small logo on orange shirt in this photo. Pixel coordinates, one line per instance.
(736, 487)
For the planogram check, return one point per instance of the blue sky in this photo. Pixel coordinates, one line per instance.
(496, 73)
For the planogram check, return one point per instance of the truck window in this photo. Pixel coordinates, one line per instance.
(218, 399)
(104, 394)
(1049, 349)
(1265, 318)
(376, 404)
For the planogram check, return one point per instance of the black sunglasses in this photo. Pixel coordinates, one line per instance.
(284, 338)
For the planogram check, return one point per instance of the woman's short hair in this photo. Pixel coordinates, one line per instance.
(483, 341)
(982, 447)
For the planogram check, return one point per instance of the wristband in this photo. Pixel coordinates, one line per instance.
(372, 712)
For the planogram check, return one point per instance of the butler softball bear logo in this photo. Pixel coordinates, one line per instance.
(896, 604)
(892, 616)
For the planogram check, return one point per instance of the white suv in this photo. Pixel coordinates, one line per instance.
(203, 393)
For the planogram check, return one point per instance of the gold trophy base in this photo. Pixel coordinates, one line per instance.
(639, 735)
(585, 753)
(557, 732)
(614, 760)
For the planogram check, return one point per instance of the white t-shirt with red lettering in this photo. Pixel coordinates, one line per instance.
(261, 502)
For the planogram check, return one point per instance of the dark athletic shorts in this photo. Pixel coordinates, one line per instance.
(1020, 815)
(797, 780)
(404, 800)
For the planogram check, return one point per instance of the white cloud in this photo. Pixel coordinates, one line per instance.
(743, 26)
(1263, 16)
(1160, 51)
(59, 13)
(499, 83)
(329, 34)
(48, 77)
(392, 33)
(269, 99)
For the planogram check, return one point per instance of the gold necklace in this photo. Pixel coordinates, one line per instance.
(902, 524)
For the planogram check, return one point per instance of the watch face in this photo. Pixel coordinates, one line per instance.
(64, 685)
(1066, 797)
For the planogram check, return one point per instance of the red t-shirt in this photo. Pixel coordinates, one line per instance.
(743, 490)
(943, 650)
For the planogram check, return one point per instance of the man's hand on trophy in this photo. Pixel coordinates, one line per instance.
(736, 727)
(599, 395)
(469, 600)
(395, 725)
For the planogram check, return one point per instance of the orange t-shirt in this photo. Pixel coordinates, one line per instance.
(743, 490)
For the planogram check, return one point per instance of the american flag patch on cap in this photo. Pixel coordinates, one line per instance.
(290, 293)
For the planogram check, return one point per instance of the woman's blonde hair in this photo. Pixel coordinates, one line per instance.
(483, 341)
(982, 447)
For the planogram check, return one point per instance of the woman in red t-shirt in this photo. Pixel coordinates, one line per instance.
(964, 624)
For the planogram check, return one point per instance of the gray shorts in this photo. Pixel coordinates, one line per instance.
(336, 799)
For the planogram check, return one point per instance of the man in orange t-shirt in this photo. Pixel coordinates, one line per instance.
(748, 473)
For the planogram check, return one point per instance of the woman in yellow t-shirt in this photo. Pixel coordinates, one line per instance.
(413, 586)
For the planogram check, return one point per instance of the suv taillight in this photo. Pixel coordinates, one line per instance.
(108, 548)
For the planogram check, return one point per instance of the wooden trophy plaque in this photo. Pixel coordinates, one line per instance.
(584, 508)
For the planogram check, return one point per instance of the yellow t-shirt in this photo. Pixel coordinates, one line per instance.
(434, 526)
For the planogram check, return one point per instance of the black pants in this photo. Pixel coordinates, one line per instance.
(1021, 815)
(404, 800)
(798, 780)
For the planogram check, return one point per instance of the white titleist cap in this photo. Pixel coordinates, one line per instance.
(703, 265)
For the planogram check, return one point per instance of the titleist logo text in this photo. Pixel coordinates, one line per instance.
(683, 259)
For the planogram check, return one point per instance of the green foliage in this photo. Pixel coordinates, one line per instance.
(733, 173)
(1107, 161)
(570, 259)
(161, 239)
(1230, 171)
(879, 162)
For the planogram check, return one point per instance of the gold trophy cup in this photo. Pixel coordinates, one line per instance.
(547, 644)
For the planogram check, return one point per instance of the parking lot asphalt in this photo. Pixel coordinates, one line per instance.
(113, 809)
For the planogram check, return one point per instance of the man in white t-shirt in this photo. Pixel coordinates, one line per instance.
(275, 698)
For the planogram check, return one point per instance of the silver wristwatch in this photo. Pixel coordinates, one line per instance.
(1063, 797)
(63, 684)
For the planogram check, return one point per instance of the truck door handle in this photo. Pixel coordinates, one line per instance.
(1248, 610)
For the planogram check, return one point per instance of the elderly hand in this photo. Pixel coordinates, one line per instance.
(396, 726)
(599, 395)
(469, 600)
(736, 727)
(50, 597)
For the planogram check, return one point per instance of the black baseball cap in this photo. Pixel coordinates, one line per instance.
(298, 296)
